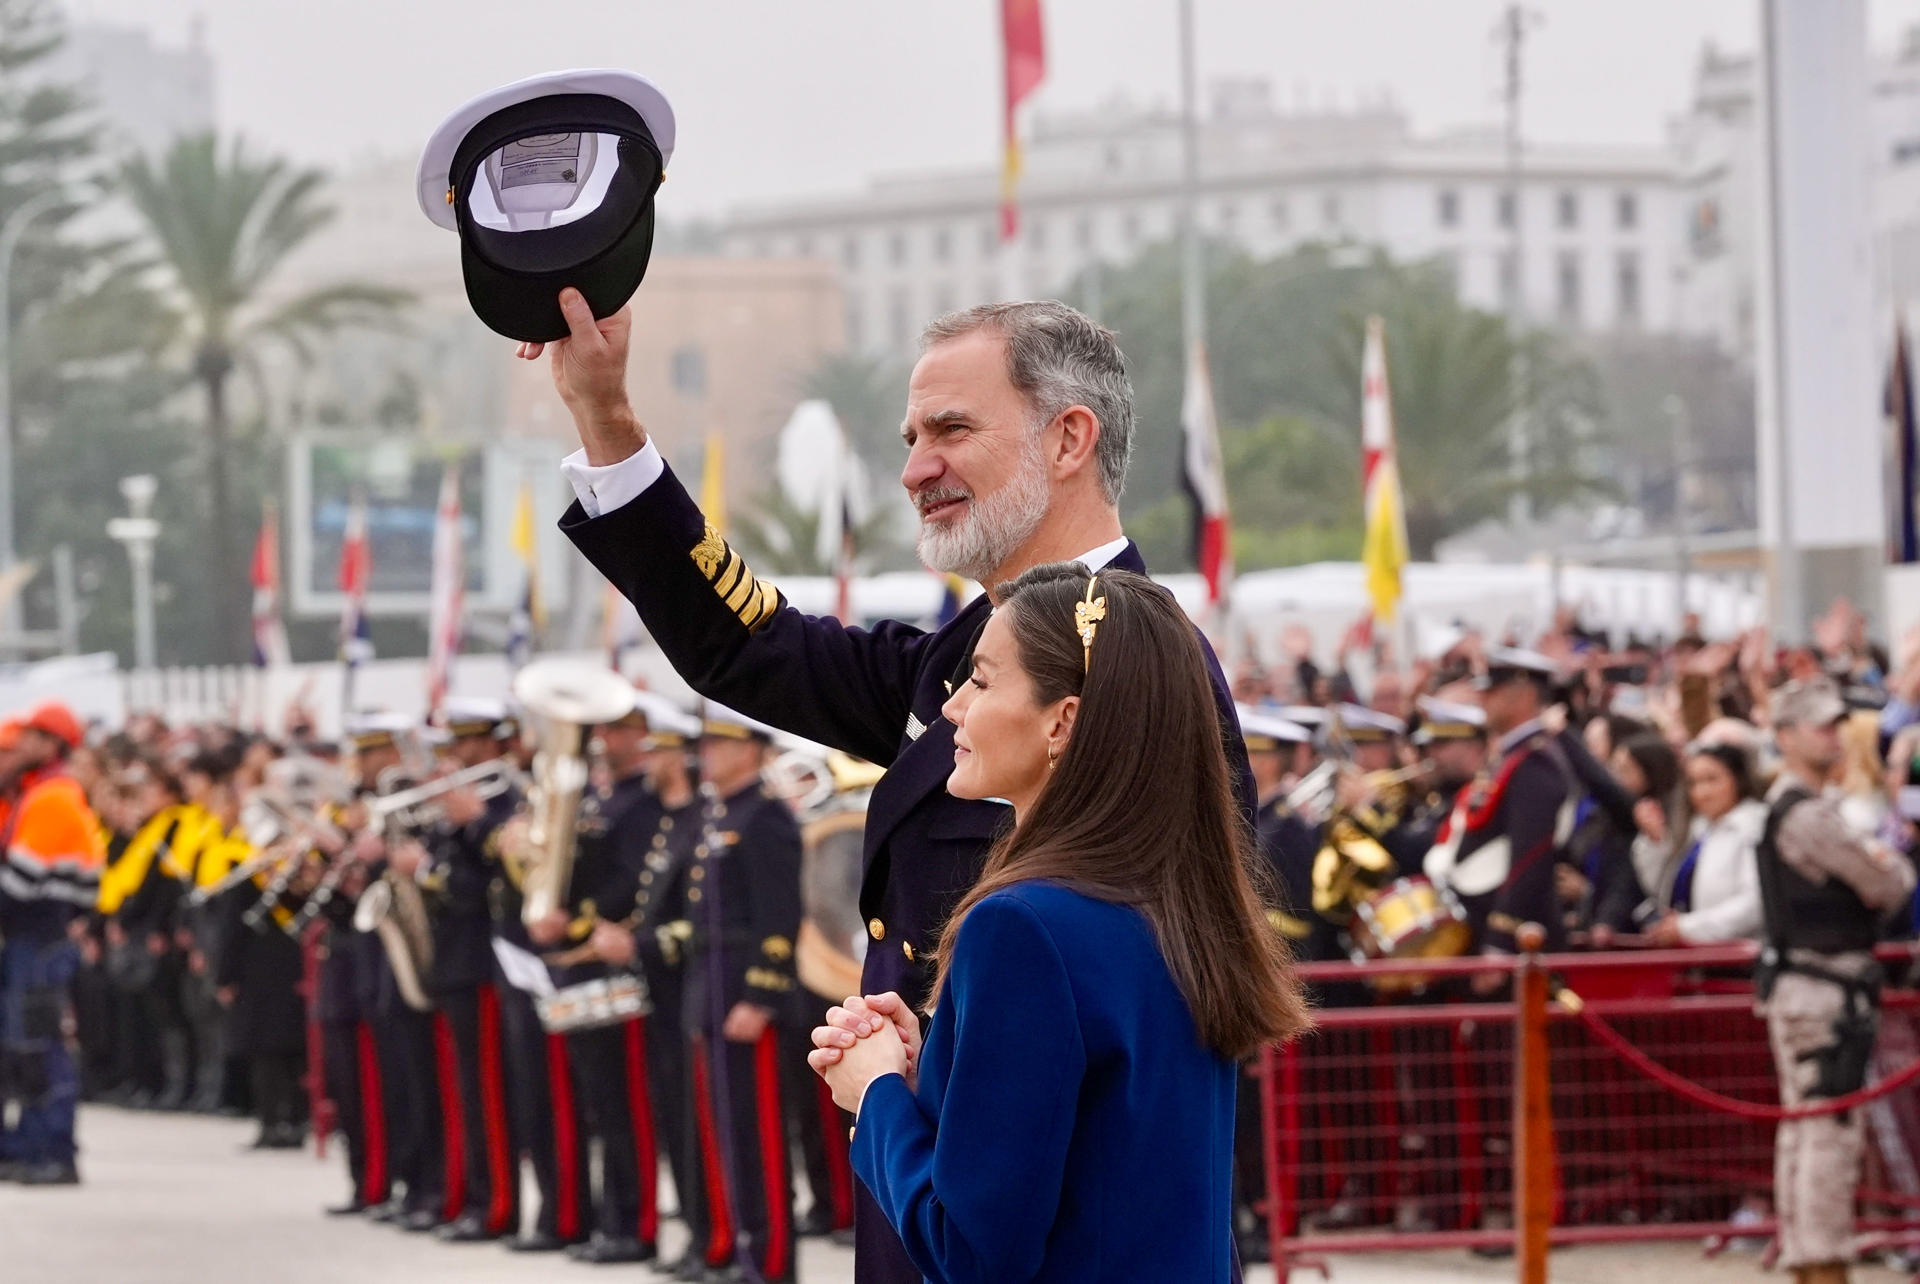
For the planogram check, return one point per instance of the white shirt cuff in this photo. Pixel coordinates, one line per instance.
(603, 489)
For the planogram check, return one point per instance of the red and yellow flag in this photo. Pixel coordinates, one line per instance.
(1026, 55)
(1384, 551)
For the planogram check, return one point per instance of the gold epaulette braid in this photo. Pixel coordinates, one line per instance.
(753, 601)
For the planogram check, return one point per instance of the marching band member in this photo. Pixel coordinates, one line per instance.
(452, 868)
(743, 905)
(1497, 848)
(616, 827)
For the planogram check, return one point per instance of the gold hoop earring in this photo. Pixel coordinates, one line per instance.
(1053, 759)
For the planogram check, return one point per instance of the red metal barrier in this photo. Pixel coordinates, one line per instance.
(1396, 1123)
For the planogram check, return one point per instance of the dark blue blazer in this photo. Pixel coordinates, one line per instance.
(1068, 1124)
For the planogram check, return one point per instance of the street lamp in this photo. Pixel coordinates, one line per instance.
(10, 233)
(138, 533)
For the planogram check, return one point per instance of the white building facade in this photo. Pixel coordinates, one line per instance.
(1597, 238)
(1717, 150)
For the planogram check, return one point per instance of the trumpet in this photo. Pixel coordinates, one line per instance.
(418, 807)
(1313, 797)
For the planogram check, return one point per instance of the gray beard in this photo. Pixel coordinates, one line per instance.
(995, 528)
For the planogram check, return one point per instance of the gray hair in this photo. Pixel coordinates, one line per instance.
(1059, 357)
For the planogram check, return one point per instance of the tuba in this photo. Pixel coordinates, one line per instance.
(566, 699)
(393, 909)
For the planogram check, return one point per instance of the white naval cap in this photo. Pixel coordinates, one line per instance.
(1263, 730)
(1504, 663)
(550, 183)
(1365, 726)
(1448, 720)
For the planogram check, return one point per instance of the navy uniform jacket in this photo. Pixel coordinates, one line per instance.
(653, 882)
(743, 900)
(1068, 1124)
(874, 693)
(1498, 848)
(613, 829)
(456, 891)
(1288, 844)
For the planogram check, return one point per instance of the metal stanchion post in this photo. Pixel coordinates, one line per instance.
(1532, 1113)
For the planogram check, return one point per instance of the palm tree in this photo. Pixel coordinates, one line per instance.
(224, 221)
(1449, 368)
(780, 538)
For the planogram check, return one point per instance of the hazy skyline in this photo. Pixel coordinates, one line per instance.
(786, 99)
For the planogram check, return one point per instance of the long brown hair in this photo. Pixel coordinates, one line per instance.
(1138, 811)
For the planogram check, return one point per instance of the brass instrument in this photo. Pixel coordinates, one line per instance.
(417, 807)
(830, 794)
(566, 699)
(274, 823)
(393, 909)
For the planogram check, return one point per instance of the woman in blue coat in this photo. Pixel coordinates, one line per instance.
(1070, 1116)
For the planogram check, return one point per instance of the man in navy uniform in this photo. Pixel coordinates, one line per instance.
(652, 880)
(742, 902)
(1018, 428)
(1452, 737)
(485, 1200)
(1279, 752)
(1497, 848)
(617, 826)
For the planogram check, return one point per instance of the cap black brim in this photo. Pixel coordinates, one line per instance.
(526, 306)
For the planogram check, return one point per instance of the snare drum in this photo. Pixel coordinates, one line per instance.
(606, 1000)
(1410, 918)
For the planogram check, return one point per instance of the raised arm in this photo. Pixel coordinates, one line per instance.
(731, 635)
(975, 1192)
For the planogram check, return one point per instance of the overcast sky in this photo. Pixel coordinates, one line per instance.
(779, 97)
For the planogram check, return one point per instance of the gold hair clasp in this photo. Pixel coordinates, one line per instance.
(1087, 615)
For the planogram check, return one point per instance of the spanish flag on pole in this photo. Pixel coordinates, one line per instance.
(1385, 551)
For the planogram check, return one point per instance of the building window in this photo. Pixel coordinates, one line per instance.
(1626, 211)
(1229, 217)
(1278, 212)
(1567, 287)
(1627, 287)
(942, 244)
(1507, 205)
(942, 299)
(1083, 232)
(1449, 211)
(1569, 209)
(1130, 227)
(850, 253)
(897, 249)
(899, 319)
(803, 247)
(1330, 209)
(1114, 158)
(1509, 281)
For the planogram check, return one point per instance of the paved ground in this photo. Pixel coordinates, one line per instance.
(174, 1200)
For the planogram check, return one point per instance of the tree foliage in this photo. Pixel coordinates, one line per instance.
(223, 221)
(1284, 348)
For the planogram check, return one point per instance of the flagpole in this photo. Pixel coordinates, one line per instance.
(1193, 298)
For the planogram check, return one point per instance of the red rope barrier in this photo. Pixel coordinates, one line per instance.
(1623, 1048)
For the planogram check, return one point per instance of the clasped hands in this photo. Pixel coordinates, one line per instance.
(863, 1039)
